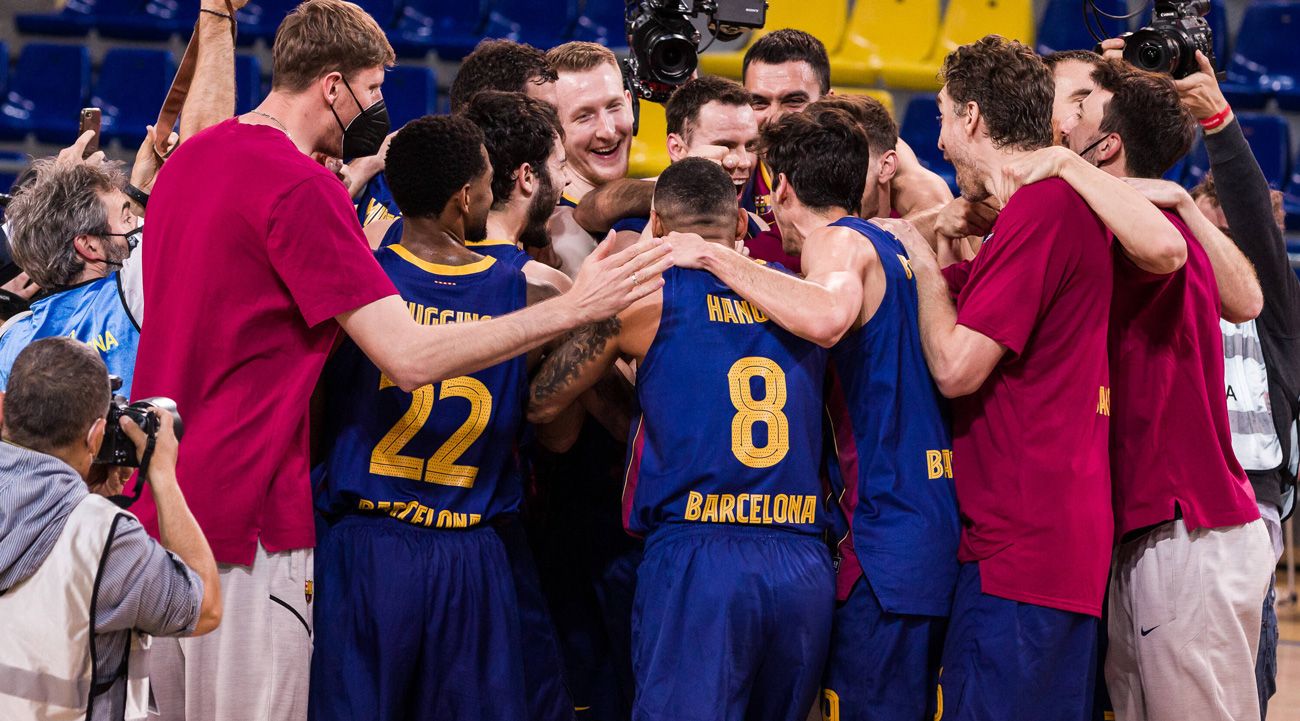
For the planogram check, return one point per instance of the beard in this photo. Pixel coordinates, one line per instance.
(533, 233)
(115, 253)
(969, 183)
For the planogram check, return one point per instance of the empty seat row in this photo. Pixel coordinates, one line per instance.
(51, 83)
(414, 27)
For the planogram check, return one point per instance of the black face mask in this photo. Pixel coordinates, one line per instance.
(365, 134)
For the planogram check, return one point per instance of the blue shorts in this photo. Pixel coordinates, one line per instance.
(547, 694)
(730, 623)
(414, 623)
(882, 666)
(1009, 660)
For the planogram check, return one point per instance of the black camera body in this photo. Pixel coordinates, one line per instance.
(665, 44)
(117, 448)
(1169, 44)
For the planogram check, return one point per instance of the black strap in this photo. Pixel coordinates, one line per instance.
(125, 501)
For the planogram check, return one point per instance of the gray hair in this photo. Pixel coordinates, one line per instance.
(59, 204)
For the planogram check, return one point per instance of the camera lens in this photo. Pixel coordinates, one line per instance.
(1151, 50)
(1150, 56)
(672, 58)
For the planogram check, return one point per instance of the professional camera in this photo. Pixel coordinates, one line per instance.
(665, 45)
(1169, 44)
(117, 449)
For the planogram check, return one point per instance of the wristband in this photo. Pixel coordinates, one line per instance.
(140, 197)
(1217, 119)
(231, 18)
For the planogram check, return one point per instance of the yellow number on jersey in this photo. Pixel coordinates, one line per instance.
(387, 459)
(750, 411)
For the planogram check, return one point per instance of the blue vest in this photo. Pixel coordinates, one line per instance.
(894, 469)
(502, 250)
(376, 201)
(94, 313)
(730, 425)
(445, 456)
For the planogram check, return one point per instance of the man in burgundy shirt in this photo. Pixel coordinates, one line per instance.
(1023, 356)
(263, 262)
(1194, 560)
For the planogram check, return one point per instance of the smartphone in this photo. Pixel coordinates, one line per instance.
(90, 120)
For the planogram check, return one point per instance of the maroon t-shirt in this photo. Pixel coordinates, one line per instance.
(1170, 439)
(255, 249)
(1030, 446)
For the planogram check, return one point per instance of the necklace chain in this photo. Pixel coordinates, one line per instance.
(272, 118)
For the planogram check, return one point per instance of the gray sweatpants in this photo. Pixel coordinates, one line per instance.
(257, 663)
(1184, 619)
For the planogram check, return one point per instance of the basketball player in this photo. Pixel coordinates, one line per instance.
(893, 470)
(416, 610)
(735, 593)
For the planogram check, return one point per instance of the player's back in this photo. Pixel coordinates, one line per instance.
(501, 249)
(730, 424)
(445, 455)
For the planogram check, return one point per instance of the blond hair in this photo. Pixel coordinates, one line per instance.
(578, 56)
(323, 36)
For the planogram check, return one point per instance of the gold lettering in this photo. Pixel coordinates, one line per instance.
(758, 315)
(810, 509)
(726, 509)
(742, 516)
(715, 310)
(474, 518)
(947, 463)
(444, 518)
(710, 514)
(934, 459)
(907, 266)
(365, 505)
(420, 510)
(743, 312)
(728, 311)
(1103, 401)
(780, 507)
(693, 501)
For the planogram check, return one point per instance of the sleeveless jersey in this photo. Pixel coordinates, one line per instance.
(730, 424)
(376, 201)
(891, 435)
(446, 455)
(94, 313)
(503, 250)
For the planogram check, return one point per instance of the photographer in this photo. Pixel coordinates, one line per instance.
(80, 580)
(1263, 410)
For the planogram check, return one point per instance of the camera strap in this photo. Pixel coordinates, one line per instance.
(125, 501)
(175, 101)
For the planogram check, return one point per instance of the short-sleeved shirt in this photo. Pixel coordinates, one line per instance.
(1030, 454)
(1170, 438)
(254, 249)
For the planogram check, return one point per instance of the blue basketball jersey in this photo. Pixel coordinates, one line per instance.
(502, 250)
(376, 201)
(894, 450)
(730, 424)
(444, 456)
(94, 313)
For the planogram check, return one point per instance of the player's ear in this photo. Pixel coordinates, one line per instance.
(742, 223)
(656, 225)
(676, 147)
(888, 166)
(526, 180)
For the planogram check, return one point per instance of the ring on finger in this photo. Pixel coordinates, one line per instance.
(635, 279)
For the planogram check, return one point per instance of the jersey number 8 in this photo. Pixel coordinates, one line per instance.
(766, 410)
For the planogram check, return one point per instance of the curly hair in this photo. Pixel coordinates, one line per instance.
(516, 129)
(499, 65)
(1146, 113)
(60, 202)
(823, 155)
(871, 114)
(1011, 85)
(431, 159)
(1063, 56)
(789, 46)
(324, 36)
(683, 108)
(695, 192)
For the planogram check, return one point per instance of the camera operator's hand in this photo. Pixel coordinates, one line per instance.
(1200, 91)
(108, 481)
(162, 466)
(1113, 48)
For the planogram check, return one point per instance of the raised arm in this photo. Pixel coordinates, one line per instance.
(1239, 291)
(1147, 236)
(821, 308)
(414, 355)
(611, 202)
(212, 92)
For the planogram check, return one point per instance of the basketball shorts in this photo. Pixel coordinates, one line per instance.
(882, 666)
(414, 623)
(1004, 659)
(730, 623)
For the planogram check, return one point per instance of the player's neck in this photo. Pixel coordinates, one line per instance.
(505, 224)
(294, 115)
(430, 240)
(803, 221)
(578, 186)
(884, 204)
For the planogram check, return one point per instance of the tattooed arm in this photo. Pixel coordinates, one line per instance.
(576, 365)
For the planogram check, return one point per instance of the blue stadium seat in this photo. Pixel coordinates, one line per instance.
(1270, 141)
(450, 28)
(1291, 200)
(541, 23)
(410, 92)
(155, 20)
(259, 19)
(4, 68)
(604, 22)
(383, 11)
(1177, 172)
(49, 88)
(248, 83)
(76, 18)
(131, 87)
(920, 129)
(1267, 59)
(1063, 28)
